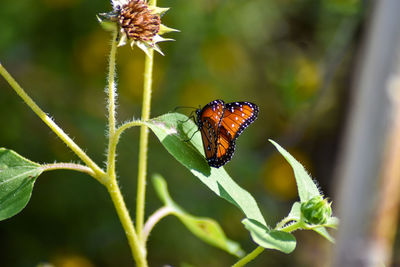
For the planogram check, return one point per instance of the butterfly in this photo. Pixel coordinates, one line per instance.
(220, 125)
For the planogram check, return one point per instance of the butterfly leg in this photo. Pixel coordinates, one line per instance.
(187, 140)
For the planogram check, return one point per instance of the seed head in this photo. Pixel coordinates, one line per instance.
(137, 23)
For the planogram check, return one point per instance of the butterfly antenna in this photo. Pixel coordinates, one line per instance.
(180, 107)
(190, 117)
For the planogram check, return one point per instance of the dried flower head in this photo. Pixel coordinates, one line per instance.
(138, 24)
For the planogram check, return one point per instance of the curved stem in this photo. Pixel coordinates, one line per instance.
(249, 257)
(126, 126)
(113, 140)
(100, 175)
(154, 219)
(282, 223)
(138, 251)
(144, 137)
(68, 166)
(111, 106)
(292, 227)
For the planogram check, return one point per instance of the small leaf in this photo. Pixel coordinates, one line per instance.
(295, 212)
(322, 231)
(165, 29)
(205, 229)
(271, 239)
(159, 10)
(305, 185)
(210, 232)
(332, 222)
(307, 191)
(17, 176)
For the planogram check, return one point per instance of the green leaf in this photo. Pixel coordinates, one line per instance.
(272, 239)
(295, 212)
(205, 229)
(307, 190)
(322, 231)
(333, 222)
(306, 187)
(173, 130)
(17, 176)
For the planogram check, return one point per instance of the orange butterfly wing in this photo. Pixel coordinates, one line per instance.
(220, 125)
(237, 117)
(208, 121)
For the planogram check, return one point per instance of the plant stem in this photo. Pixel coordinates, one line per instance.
(282, 223)
(154, 219)
(292, 227)
(68, 166)
(143, 146)
(100, 175)
(113, 141)
(111, 106)
(138, 251)
(249, 257)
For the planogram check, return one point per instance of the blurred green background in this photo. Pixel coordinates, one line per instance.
(292, 58)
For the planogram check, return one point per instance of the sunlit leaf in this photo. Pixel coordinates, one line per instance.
(295, 212)
(272, 239)
(322, 231)
(205, 229)
(17, 177)
(305, 185)
(333, 222)
(174, 130)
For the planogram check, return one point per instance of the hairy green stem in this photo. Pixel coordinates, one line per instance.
(249, 257)
(138, 251)
(144, 137)
(292, 227)
(113, 141)
(100, 175)
(68, 166)
(154, 219)
(143, 146)
(111, 106)
(282, 223)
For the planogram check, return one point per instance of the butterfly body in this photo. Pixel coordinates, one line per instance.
(220, 125)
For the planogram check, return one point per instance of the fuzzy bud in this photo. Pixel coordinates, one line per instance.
(316, 210)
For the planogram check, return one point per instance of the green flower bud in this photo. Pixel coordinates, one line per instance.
(316, 210)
